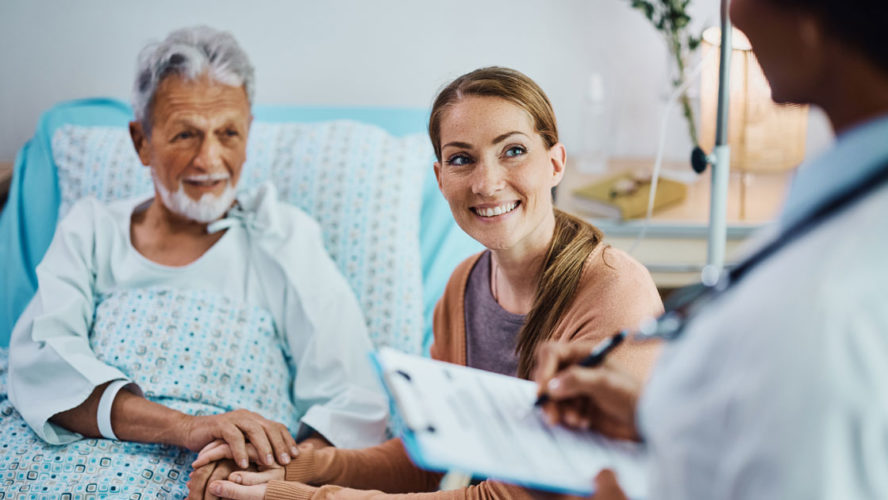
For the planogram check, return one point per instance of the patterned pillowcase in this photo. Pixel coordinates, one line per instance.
(361, 184)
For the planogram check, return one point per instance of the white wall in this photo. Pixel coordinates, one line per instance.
(354, 52)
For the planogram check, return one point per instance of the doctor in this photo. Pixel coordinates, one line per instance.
(776, 389)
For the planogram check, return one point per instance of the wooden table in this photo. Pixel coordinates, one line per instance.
(674, 248)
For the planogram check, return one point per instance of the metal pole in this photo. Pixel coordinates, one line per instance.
(715, 259)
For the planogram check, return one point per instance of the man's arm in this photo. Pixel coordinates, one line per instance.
(134, 418)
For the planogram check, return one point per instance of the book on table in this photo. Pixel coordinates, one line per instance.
(624, 196)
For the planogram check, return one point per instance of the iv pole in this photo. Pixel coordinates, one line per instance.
(720, 159)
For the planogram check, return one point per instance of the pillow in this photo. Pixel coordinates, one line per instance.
(360, 183)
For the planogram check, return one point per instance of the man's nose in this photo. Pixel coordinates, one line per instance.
(209, 157)
(487, 178)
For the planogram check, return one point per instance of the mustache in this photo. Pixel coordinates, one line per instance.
(220, 176)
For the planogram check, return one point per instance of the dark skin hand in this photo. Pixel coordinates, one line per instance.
(134, 418)
(602, 398)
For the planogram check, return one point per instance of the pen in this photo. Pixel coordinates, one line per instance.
(595, 358)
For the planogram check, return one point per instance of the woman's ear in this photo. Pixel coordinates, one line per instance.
(558, 160)
(140, 142)
(438, 174)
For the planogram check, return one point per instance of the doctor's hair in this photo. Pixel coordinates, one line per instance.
(189, 53)
(858, 23)
(573, 240)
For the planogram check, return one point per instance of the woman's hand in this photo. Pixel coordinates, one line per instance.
(229, 489)
(602, 398)
(249, 478)
(198, 482)
(237, 429)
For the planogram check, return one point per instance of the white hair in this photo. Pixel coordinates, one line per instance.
(189, 53)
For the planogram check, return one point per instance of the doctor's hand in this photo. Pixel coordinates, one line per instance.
(271, 441)
(606, 487)
(602, 398)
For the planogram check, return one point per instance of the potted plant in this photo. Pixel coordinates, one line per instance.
(671, 19)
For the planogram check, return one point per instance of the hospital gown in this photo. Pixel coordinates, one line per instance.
(262, 321)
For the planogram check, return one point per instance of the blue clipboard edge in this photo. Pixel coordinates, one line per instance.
(414, 450)
(407, 437)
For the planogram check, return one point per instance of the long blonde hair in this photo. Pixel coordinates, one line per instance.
(573, 239)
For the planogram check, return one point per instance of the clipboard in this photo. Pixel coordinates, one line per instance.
(485, 425)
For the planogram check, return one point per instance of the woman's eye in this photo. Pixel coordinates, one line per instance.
(458, 160)
(515, 151)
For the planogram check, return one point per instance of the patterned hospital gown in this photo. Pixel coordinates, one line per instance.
(195, 351)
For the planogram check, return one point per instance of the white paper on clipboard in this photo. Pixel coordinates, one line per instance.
(484, 424)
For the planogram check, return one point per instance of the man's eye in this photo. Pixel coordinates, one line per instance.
(515, 151)
(232, 133)
(458, 160)
(183, 136)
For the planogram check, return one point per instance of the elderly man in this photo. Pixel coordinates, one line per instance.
(219, 315)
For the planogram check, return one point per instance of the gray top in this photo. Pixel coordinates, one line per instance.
(491, 331)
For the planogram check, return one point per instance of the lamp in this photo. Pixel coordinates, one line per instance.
(765, 137)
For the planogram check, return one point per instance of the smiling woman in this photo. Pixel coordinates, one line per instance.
(545, 275)
(496, 140)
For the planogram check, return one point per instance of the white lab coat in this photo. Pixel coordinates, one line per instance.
(777, 390)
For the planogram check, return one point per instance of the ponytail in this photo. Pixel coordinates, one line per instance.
(573, 241)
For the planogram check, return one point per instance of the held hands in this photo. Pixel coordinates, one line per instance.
(220, 450)
(241, 484)
(270, 441)
(213, 477)
(602, 398)
(244, 485)
(216, 480)
(201, 477)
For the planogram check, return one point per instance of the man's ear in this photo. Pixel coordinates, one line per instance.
(558, 160)
(140, 142)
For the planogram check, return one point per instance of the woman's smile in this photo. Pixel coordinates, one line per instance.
(495, 210)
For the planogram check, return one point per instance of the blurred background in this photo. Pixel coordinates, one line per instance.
(391, 53)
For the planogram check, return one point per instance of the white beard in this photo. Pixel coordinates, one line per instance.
(207, 209)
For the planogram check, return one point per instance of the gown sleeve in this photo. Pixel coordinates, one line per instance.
(52, 367)
(325, 331)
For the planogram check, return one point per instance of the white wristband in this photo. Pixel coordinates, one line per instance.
(103, 414)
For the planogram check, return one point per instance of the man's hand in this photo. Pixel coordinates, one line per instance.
(220, 450)
(602, 398)
(268, 438)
